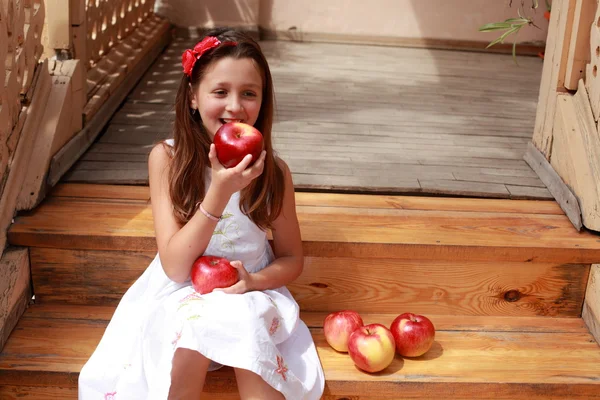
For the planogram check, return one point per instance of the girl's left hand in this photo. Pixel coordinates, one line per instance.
(243, 285)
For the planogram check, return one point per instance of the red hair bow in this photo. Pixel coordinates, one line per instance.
(190, 56)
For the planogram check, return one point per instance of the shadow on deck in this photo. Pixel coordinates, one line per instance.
(354, 118)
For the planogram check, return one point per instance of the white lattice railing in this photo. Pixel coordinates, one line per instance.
(110, 21)
(21, 23)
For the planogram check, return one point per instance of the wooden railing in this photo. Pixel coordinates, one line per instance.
(21, 24)
(111, 21)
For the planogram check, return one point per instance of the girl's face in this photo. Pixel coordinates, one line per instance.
(230, 91)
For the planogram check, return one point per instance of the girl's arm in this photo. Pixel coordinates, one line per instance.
(179, 247)
(287, 244)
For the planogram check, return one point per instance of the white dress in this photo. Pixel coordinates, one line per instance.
(256, 331)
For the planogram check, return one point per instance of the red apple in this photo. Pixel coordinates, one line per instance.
(210, 272)
(234, 140)
(372, 347)
(413, 334)
(338, 326)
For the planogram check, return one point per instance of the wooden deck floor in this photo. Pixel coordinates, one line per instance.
(361, 119)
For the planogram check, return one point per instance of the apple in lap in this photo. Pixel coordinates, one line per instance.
(210, 272)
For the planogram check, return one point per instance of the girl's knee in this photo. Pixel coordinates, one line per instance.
(253, 387)
(187, 374)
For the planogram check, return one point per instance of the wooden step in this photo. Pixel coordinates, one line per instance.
(371, 253)
(382, 227)
(472, 358)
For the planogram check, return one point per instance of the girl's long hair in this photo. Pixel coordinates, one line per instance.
(262, 199)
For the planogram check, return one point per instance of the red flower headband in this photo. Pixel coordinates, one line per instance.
(189, 57)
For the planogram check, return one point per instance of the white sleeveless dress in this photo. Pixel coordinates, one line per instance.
(256, 331)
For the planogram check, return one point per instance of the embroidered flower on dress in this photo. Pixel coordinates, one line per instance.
(110, 396)
(187, 300)
(281, 368)
(176, 340)
(274, 326)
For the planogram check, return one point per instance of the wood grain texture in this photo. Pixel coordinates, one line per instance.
(511, 363)
(330, 231)
(442, 134)
(576, 153)
(579, 47)
(555, 60)
(329, 284)
(338, 200)
(15, 289)
(591, 307)
(555, 184)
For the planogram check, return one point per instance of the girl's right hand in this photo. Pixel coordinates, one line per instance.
(234, 179)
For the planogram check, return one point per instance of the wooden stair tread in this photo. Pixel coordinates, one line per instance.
(373, 201)
(52, 342)
(331, 230)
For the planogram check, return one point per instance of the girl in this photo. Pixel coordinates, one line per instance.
(164, 337)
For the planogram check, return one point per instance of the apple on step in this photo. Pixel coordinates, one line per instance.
(414, 334)
(338, 327)
(210, 272)
(372, 347)
(234, 140)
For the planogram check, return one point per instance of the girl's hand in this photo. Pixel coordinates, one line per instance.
(234, 179)
(243, 285)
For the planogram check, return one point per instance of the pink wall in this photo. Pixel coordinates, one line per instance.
(430, 19)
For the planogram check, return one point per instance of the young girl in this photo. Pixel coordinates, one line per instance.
(164, 337)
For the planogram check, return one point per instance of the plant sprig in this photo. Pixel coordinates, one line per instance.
(512, 26)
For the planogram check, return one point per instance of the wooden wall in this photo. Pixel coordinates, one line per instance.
(566, 128)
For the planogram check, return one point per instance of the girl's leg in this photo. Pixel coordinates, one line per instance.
(187, 375)
(252, 387)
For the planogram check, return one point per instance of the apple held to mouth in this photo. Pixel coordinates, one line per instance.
(210, 272)
(234, 140)
(338, 327)
(372, 347)
(413, 334)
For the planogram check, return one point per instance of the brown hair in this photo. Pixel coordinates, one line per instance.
(262, 199)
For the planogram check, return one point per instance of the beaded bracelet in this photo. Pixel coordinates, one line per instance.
(207, 214)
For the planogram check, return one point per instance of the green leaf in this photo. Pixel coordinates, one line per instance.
(503, 36)
(494, 26)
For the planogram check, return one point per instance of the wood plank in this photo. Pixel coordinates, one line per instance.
(591, 307)
(11, 392)
(557, 187)
(528, 192)
(29, 123)
(138, 176)
(508, 364)
(579, 47)
(553, 72)
(469, 288)
(15, 289)
(464, 188)
(338, 200)
(55, 130)
(313, 319)
(329, 232)
(576, 153)
(592, 80)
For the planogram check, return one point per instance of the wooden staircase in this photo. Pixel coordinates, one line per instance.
(502, 280)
